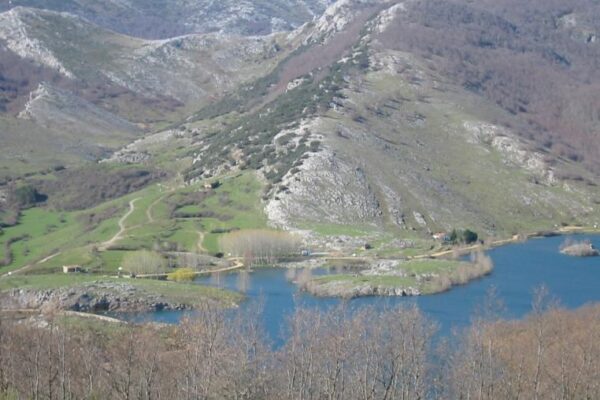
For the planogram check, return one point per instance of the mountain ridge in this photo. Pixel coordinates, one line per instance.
(347, 120)
(166, 19)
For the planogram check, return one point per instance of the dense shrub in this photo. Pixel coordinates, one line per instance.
(466, 236)
(182, 275)
(331, 353)
(26, 196)
(254, 134)
(86, 187)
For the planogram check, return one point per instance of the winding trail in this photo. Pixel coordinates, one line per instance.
(122, 228)
(169, 191)
(200, 244)
(154, 203)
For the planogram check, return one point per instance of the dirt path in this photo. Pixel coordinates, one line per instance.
(444, 253)
(149, 209)
(237, 264)
(122, 228)
(170, 190)
(50, 257)
(26, 267)
(16, 271)
(576, 229)
(30, 312)
(154, 203)
(465, 250)
(200, 244)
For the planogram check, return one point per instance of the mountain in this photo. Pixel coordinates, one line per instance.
(60, 110)
(385, 138)
(116, 79)
(56, 128)
(376, 116)
(166, 19)
(184, 69)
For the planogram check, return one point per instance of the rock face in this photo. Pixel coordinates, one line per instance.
(92, 297)
(580, 250)
(326, 189)
(513, 151)
(14, 30)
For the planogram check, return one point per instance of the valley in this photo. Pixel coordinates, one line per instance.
(327, 133)
(297, 199)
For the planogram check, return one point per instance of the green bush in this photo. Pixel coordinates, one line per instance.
(26, 196)
(182, 275)
(466, 236)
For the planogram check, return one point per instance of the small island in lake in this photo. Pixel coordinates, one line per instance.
(579, 249)
(414, 277)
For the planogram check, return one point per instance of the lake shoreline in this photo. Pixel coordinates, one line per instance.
(518, 269)
(118, 296)
(344, 287)
(520, 238)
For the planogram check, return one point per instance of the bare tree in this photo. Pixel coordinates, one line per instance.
(260, 246)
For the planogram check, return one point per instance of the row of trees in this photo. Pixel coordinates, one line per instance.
(255, 247)
(144, 262)
(260, 246)
(334, 354)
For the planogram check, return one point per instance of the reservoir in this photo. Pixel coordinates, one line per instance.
(518, 270)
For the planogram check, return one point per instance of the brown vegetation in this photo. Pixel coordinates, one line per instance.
(179, 200)
(260, 246)
(86, 187)
(144, 262)
(9, 216)
(523, 56)
(480, 266)
(553, 354)
(8, 254)
(19, 77)
(579, 249)
(335, 354)
(91, 220)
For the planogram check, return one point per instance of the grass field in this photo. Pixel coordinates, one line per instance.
(353, 280)
(428, 276)
(335, 230)
(64, 236)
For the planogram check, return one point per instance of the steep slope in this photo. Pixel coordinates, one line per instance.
(355, 120)
(57, 128)
(379, 139)
(90, 89)
(538, 60)
(188, 68)
(166, 19)
(417, 156)
(63, 112)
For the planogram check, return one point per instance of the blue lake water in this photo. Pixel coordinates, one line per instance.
(519, 268)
